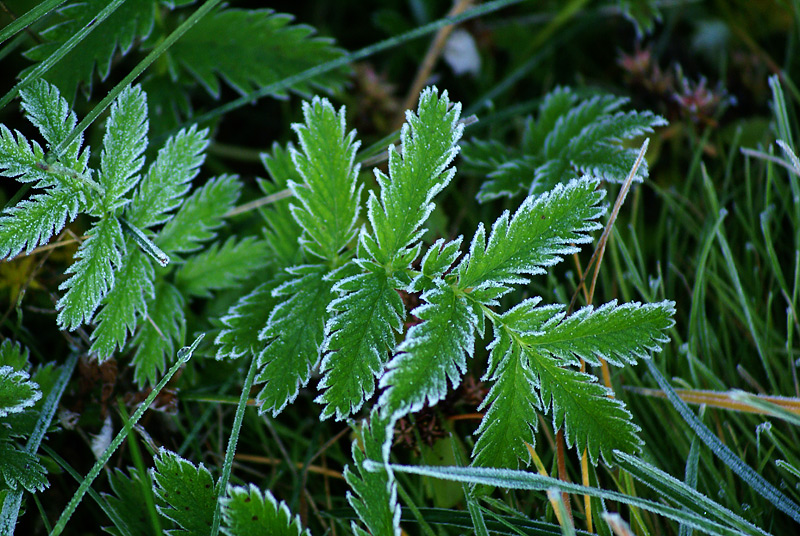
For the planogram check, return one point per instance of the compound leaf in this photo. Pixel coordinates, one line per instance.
(582, 408)
(31, 222)
(375, 491)
(168, 179)
(126, 302)
(199, 216)
(616, 333)
(512, 401)
(132, 20)
(165, 327)
(246, 511)
(17, 392)
(245, 320)
(21, 468)
(127, 503)
(124, 144)
(568, 138)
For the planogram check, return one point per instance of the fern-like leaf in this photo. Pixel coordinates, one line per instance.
(121, 307)
(188, 491)
(132, 20)
(617, 333)
(358, 337)
(293, 336)
(329, 199)
(543, 228)
(567, 139)
(375, 492)
(164, 329)
(221, 266)
(31, 222)
(428, 140)
(512, 404)
(167, 180)
(93, 274)
(433, 352)
(251, 49)
(531, 348)
(246, 511)
(123, 145)
(199, 216)
(49, 112)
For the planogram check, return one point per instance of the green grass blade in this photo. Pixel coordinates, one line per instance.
(29, 18)
(745, 472)
(232, 441)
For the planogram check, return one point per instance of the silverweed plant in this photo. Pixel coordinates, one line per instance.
(353, 298)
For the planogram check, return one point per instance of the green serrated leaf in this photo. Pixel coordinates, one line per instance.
(429, 143)
(21, 469)
(221, 266)
(189, 492)
(93, 274)
(251, 49)
(19, 158)
(512, 401)
(358, 338)
(247, 511)
(168, 179)
(433, 352)
(294, 335)
(126, 302)
(375, 491)
(329, 196)
(245, 320)
(617, 333)
(543, 228)
(31, 222)
(581, 407)
(200, 215)
(48, 111)
(17, 392)
(164, 328)
(124, 144)
(132, 20)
